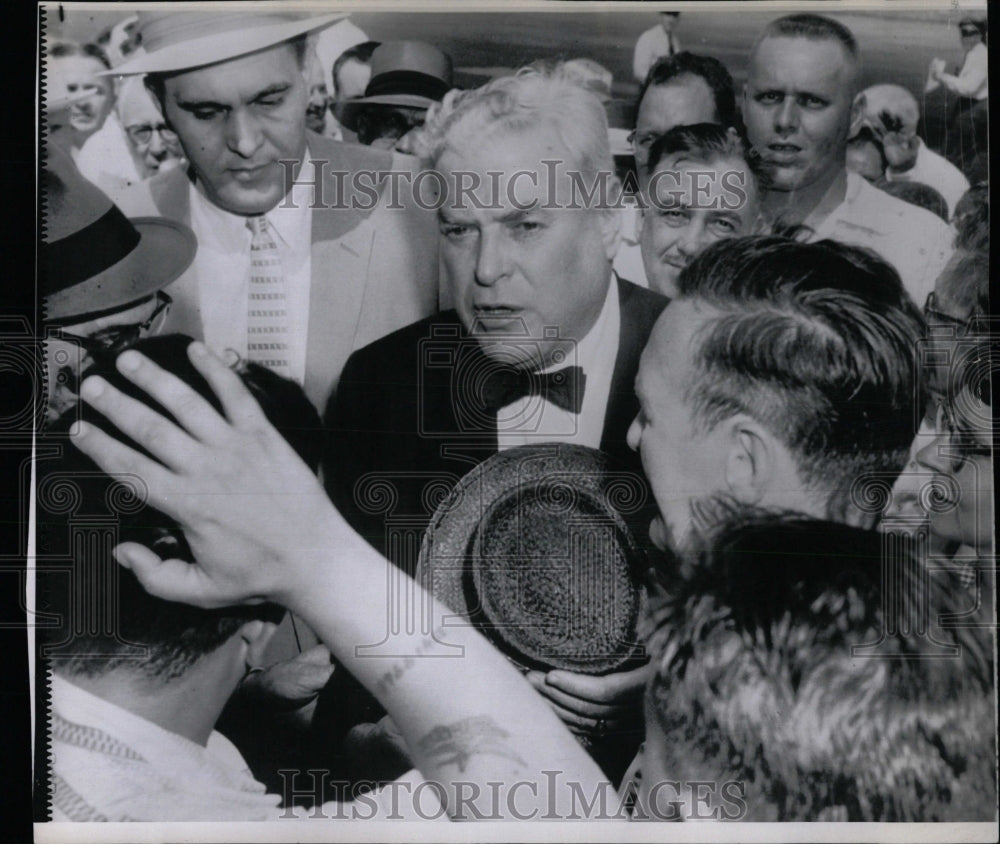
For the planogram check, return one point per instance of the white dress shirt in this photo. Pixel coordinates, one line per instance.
(973, 79)
(935, 171)
(915, 241)
(531, 420)
(628, 260)
(653, 44)
(222, 268)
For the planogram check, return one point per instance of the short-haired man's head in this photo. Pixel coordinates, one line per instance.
(535, 98)
(65, 49)
(705, 143)
(173, 635)
(817, 28)
(817, 342)
(919, 195)
(671, 69)
(758, 680)
(972, 219)
(360, 54)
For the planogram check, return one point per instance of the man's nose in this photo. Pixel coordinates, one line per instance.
(156, 145)
(492, 260)
(938, 455)
(634, 435)
(786, 117)
(243, 135)
(691, 239)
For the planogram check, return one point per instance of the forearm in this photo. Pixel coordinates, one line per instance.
(466, 713)
(964, 85)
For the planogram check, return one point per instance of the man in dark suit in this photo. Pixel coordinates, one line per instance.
(543, 343)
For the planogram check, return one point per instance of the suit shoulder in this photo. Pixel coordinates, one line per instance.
(641, 299)
(348, 155)
(403, 343)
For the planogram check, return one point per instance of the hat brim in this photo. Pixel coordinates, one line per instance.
(166, 249)
(213, 49)
(347, 111)
(445, 564)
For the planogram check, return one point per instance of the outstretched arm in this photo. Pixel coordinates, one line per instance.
(261, 528)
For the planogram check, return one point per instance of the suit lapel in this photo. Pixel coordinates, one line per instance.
(171, 196)
(622, 402)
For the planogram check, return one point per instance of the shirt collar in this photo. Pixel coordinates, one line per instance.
(288, 218)
(603, 334)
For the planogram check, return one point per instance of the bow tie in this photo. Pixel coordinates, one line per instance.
(563, 388)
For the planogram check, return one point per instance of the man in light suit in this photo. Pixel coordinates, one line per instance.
(543, 343)
(342, 251)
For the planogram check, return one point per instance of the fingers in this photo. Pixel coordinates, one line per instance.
(192, 411)
(240, 407)
(172, 580)
(611, 688)
(116, 459)
(154, 432)
(316, 655)
(586, 710)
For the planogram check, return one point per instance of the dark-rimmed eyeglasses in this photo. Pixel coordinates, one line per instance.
(142, 133)
(962, 438)
(115, 338)
(934, 315)
(642, 141)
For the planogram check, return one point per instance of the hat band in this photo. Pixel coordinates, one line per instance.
(407, 82)
(90, 251)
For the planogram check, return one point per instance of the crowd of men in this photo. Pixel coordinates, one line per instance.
(286, 318)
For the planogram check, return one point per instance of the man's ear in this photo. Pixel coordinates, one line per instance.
(750, 459)
(857, 114)
(611, 219)
(255, 635)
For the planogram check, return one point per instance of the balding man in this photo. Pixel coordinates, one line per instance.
(801, 105)
(893, 113)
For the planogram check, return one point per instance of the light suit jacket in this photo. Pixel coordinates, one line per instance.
(373, 270)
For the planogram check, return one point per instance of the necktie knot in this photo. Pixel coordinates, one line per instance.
(563, 388)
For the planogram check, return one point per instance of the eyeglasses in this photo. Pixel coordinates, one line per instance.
(142, 133)
(934, 314)
(961, 437)
(642, 141)
(109, 341)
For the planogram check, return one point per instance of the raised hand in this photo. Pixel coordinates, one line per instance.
(249, 507)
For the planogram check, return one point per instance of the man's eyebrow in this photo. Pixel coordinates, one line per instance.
(515, 215)
(271, 90)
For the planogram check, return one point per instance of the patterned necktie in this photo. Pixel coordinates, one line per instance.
(267, 307)
(563, 388)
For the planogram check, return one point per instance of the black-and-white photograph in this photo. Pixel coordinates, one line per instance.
(563, 413)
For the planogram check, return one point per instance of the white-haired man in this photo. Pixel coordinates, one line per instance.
(544, 340)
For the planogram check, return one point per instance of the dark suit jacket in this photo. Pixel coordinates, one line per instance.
(374, 264)
(402, 430)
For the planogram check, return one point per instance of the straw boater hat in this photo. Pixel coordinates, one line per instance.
(404, 73)
(183, 40)
(95, 260)
(530, 548)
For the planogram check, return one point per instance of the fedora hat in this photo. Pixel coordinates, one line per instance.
(183, 40)
(404, 73)
(530, 547)
(93, 258)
